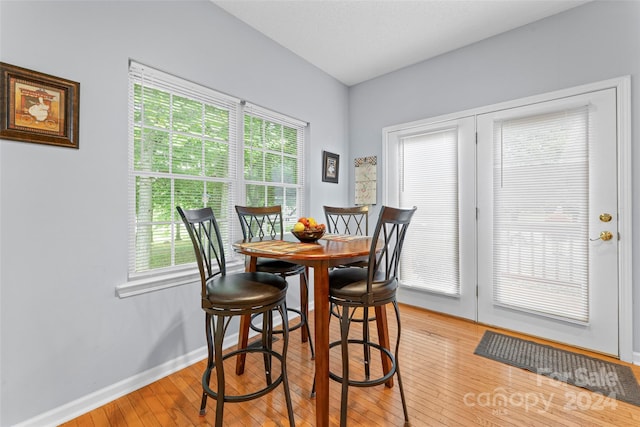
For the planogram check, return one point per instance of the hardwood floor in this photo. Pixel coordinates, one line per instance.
(445, 384)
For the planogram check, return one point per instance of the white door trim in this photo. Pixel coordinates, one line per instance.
(625, 271)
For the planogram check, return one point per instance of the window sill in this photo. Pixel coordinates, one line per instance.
(154, 283)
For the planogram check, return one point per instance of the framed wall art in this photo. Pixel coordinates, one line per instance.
(365, 178)
(39, 108)
(330, 167)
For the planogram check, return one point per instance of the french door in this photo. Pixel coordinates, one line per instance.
(517, 222)
(547, 220)
(436, 165)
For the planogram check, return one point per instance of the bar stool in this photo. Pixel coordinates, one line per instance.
(354, 221)
(351, 289)
(227, 295)
(267, 223)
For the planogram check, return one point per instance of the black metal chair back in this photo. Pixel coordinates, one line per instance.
(347, 220)
(261, 222)
(391, 230)
(205, 236)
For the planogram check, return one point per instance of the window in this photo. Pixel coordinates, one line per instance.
(193, 147)
(272, 167)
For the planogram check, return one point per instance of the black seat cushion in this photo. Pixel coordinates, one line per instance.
(351, 284)
(277, 266)
(245, 290)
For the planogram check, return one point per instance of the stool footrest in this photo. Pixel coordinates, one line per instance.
(298, 325)
(369, 382)
(249, 396)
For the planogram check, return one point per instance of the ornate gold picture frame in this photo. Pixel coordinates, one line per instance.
(37, 107)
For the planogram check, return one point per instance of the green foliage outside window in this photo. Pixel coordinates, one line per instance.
(184, 155)
(176, 137)
(271, 158)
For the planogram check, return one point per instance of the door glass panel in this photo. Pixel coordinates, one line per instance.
(430, 258)
(540, 223)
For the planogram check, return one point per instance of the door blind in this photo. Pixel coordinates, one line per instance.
(430, 182)
(541, 202)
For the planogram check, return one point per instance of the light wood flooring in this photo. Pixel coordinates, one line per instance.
(445, 384)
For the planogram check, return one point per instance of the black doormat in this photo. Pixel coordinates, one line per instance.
(609, 379)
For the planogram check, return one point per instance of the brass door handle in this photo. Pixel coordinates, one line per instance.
(605, 235)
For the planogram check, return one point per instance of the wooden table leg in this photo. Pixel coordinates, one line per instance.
(243, 341)
(321, 316)
(383, 337)
(245, 322)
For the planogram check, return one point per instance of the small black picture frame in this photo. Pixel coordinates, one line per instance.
(330, 167)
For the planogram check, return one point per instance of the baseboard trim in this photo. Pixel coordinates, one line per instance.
(110, 393)
(636, 358)
(101, 397)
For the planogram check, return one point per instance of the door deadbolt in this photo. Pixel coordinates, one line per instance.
(605, 217)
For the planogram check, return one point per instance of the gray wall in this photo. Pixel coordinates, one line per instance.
(597, 41)
(63, 225)
(63, 213)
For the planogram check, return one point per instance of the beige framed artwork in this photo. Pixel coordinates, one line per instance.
(365, 180)
(37, 107)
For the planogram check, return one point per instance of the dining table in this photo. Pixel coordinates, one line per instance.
(332, 250)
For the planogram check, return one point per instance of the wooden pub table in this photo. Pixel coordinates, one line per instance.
(329, 251)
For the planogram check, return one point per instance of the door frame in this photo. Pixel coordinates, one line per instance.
(624, 181)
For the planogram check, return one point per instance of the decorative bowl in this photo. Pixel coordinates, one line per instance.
(308, 236)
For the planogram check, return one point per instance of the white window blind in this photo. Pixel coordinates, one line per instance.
(541, 201)
(273, 166)
(430, 258)
(182, 154)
